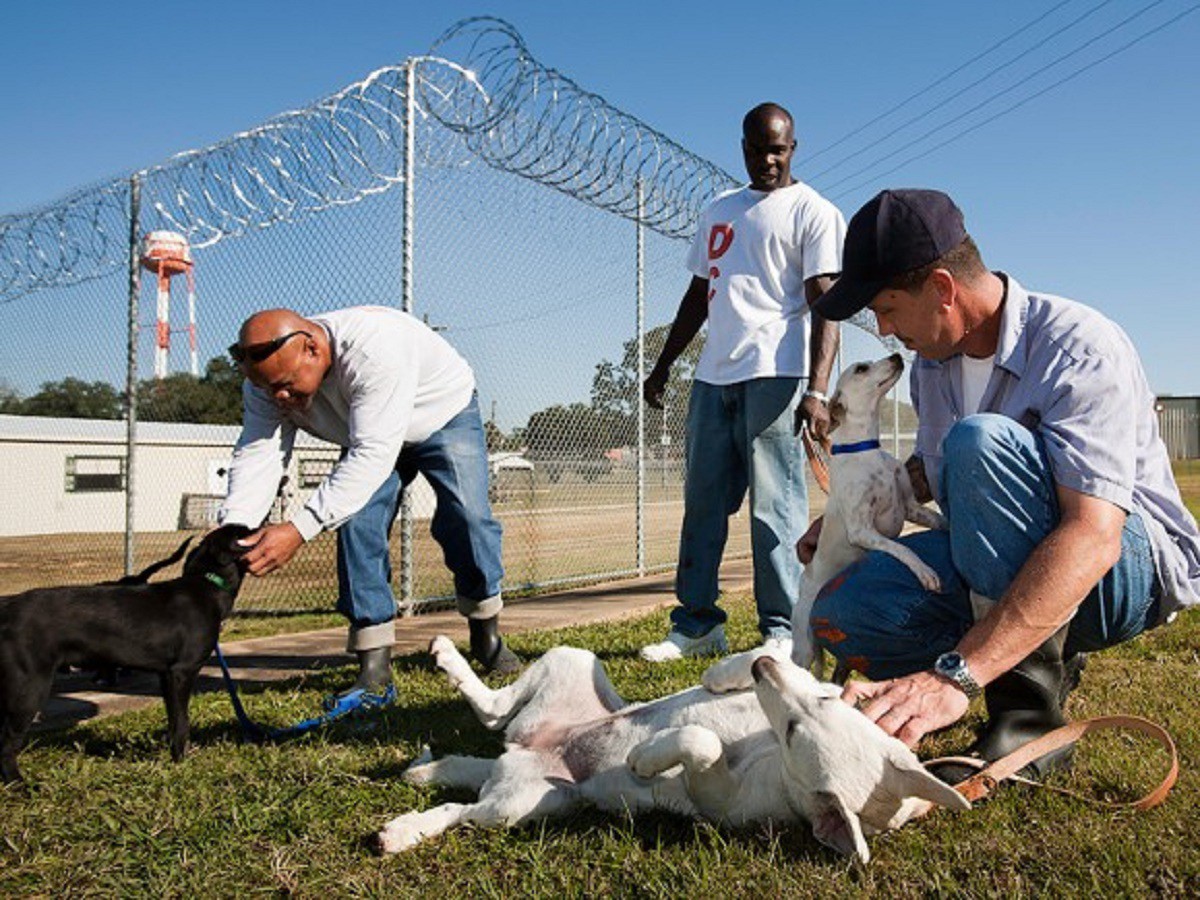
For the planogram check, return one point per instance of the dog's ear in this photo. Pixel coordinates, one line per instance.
(836, 826)
(837, 411)
(904, 776)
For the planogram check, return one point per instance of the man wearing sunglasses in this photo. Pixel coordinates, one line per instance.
(400, 401)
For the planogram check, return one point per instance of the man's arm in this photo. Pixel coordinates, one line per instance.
(689, 319)
(1059, 574)
(823, 351)
(1055, 579)
(258, 462)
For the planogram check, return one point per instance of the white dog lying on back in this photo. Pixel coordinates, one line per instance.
(788, 750)
(870, 496)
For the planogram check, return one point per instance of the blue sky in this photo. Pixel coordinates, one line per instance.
(1091, 190)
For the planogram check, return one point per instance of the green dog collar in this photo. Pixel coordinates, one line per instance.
(219, 581)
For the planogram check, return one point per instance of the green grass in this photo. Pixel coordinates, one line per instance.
(107, 814)
(1187, 475)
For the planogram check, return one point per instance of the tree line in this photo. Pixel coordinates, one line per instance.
(215, 398)
(579, 429)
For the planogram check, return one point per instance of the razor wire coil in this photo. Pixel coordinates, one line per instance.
(484, 85)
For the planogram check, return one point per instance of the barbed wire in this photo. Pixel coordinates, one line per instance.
(536, 122)
(508, 109)
(480, 83)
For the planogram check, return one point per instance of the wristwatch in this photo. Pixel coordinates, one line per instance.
(953, 667)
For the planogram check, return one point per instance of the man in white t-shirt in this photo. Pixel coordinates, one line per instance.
(399, 400)
(761, 255)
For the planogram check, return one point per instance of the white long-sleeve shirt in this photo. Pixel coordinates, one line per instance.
(392, 381)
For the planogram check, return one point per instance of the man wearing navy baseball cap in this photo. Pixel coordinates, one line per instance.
(1038, 438)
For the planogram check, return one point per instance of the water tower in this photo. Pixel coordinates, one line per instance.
(167, 254)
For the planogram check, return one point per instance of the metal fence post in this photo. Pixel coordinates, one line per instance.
(896, 421)
(641, 376)
(407, 594)
(131, 364)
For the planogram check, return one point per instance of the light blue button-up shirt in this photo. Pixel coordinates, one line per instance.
(1074, 377)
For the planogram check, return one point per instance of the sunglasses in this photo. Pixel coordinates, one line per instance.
(258, 352)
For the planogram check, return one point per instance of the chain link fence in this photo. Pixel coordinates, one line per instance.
(541, 230)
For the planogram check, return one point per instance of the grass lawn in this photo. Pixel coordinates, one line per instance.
(109, 815)
(1187, 475)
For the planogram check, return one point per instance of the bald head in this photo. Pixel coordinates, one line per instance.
(271, 324)
(759, 118)
(284, 354)
(768, 141)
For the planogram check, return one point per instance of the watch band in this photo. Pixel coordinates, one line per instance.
(953, 668)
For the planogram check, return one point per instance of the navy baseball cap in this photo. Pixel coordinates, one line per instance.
(895, 232)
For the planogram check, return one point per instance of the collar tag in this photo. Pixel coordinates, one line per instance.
(219, 581)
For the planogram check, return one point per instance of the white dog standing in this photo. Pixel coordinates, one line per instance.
(870, 496)
(789, 750)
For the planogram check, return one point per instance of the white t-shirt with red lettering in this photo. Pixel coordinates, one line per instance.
(757, 249)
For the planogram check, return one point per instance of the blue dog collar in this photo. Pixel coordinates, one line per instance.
(854, 448)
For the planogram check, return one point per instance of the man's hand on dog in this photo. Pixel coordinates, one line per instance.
(815, 414)
(911, 707)
(271, 548)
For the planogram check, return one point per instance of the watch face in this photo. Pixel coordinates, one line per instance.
(949, 662)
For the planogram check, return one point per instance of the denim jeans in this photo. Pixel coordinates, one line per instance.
(454, 462)
(740, 436)
(999, 496)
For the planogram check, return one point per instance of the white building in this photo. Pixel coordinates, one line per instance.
(68, 475)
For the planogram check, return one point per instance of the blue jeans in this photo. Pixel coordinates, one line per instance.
(740, 436)
(999, 496)
(454, 462)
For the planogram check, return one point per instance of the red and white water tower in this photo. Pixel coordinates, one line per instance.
(167, 254)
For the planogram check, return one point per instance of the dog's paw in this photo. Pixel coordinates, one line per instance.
(730, 674)
(419, 770)
(929, 579)
(640, 761)
(635, 762)
(445, 655)
(397, 837)
(441, 646)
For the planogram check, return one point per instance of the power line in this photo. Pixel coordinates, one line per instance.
(992, 98)
(996, 96)
(974, 84)
(935, 83)
(1022, 102)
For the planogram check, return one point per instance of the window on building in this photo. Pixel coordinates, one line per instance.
(91, 474)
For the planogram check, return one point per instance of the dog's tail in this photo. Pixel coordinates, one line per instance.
(143, 576)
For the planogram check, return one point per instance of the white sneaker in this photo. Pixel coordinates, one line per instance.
(779, 647)
(677, 646)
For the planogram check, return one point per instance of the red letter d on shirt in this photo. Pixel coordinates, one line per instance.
(720, 239)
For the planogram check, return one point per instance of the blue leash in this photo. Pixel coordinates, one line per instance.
(337, 707)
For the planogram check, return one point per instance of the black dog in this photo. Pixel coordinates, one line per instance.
(169, 627)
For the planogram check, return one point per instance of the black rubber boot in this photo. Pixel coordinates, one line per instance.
(488, 649)
(374, 671)
(1023, 704)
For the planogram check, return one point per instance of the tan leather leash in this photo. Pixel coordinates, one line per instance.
(989, 776)
(818, 457)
